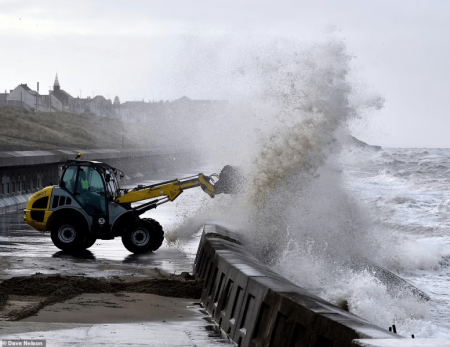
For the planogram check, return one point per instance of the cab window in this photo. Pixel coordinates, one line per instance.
(68, 180)
(90, 191)
(112, 184)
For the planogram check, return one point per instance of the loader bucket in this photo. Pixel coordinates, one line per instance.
(230, 181)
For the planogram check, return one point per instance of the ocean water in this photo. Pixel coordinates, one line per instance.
(408, 194)
(390, 207)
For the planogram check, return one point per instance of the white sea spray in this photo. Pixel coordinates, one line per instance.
(302, 211)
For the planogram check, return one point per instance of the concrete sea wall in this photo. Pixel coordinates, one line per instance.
(256, 307)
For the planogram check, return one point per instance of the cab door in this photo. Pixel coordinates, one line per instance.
(90, 193)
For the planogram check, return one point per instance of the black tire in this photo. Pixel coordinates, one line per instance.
(67, 235)
(142, 236)
(158, 234)
(89, 241)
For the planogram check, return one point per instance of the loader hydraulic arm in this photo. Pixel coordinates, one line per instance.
(170, 190)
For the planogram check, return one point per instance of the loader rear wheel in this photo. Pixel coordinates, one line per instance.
(142, 236)
(67, 235)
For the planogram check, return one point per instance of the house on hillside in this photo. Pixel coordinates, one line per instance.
(64, 99)
(116, 107)
(197, 107)
(134, 111)
(59, 100)
(23, 96)
(54, 104)
(4, 99)
(100, 106)
(169, 111)
(82, 106)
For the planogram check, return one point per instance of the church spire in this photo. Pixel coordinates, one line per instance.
(56, 85)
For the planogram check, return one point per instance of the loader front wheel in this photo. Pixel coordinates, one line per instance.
(142, 236)
(89, 241)
(158, 234)
(67, 235)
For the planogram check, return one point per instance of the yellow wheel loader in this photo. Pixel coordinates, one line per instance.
(88, 205)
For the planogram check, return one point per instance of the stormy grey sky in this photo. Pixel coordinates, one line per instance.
(129, 48)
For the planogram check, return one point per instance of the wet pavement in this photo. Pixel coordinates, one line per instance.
(27, 252)
(195, 333)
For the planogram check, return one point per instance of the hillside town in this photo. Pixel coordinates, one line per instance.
(59, 100)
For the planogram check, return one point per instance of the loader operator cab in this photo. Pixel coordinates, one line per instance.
(92, 184)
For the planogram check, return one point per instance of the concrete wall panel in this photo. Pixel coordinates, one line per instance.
(21, 201)
(258, 302)
(18, 159)
(9, 204)
(211, 293)
(288, 323)
(6, 159)
(2, 207)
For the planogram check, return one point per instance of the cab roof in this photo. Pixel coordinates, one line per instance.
(91, 163)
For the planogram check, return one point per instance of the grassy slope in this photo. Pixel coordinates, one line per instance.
(21, 128)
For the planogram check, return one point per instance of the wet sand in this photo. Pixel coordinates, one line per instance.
(118, 308)
(22, 297)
